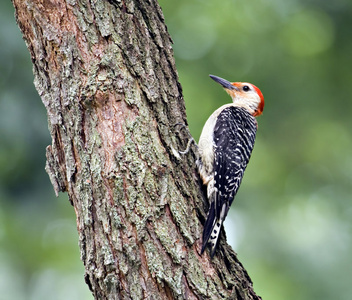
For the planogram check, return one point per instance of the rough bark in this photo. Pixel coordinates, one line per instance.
(106, 74)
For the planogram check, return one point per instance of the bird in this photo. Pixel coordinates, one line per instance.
(224, 149)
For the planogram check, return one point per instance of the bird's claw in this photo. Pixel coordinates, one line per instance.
(190, 141)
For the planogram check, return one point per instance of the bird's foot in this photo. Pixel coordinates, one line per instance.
(190, 141)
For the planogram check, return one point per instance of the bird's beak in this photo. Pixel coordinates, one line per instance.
(226, 84)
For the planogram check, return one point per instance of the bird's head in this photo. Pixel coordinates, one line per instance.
(244, 95)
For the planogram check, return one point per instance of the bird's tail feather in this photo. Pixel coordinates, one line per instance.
(211, 230)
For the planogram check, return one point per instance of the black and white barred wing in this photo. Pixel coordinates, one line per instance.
(234, 136)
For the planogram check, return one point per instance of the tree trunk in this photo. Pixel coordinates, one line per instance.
(106, 74)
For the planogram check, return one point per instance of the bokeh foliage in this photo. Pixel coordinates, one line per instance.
(291, 221)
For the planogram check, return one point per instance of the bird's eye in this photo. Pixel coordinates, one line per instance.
(246, 88)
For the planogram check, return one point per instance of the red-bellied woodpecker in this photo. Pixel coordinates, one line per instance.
(225, 146)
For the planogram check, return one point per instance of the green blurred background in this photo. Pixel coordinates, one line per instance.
(291, 221)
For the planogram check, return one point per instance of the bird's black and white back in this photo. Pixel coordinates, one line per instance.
(234, 131)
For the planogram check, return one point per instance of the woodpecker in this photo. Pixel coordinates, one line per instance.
(225, 146)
